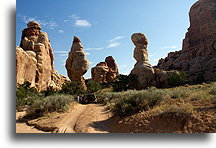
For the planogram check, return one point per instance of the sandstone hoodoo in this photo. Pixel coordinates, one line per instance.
(35, 59)
(105, 72)
(77, 63)
(142, 69)
(197, 56)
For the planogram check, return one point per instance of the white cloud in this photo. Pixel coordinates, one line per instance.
(93, 49)
(74, 16)
(61, 31)
(112, 45)
(50, 24)
(82, 23)
(91, 63)
(63, 55)
(87, 53)
(77, 21)
(60, 51)
(116, 38)
(170, 47)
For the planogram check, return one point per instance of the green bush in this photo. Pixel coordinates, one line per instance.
(93, 86)
(137, 101)
(72, 88)
(124, 82)
(176, 79)
(25, 95)
(58, 102)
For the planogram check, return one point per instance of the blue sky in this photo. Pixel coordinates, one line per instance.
(105, 27)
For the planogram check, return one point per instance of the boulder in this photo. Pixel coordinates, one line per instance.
(77, 63)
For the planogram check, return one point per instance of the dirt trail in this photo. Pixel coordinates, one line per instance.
(22, 127)
(79, 119)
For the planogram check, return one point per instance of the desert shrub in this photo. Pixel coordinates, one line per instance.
(72, 88)
(138, 101)
(179, 92)
(182, 109)
(93, 86)
(58, 102)
(26, 95)
(176, 79)
(124, 82)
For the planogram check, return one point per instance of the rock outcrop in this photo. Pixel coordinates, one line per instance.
(35, 59)
(142, 69)
(197, 56)
(77, 63)
(105, 72)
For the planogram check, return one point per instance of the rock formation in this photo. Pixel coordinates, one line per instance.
(105, 72)
(113, 69)
(35, 59)
(77, 63)
(142, 69)
(99, 72)
(197, 56)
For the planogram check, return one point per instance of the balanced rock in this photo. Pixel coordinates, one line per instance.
(77, 63)
(142, 69)
(105, 72)
(35, 59)
(197, 56)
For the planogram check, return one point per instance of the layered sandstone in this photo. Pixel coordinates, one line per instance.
(197, 56)
(105, 72)
(77, 63)
(35, 59)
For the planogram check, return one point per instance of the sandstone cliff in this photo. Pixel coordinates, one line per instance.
(35, 59)
(197, 56)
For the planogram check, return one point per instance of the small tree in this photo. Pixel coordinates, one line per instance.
(73, 88)
(176, 79)
(93, 86)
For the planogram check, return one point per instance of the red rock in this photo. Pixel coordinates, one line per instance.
(199, 44)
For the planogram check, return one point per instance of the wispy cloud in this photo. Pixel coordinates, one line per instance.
(94, 48)
(60, 51)
(61, 31)
(87, 53)
(77, 21)
(91, 62)
(170, 47)
(63, 55)
(116, 38)
(49, 24)
(112, 45)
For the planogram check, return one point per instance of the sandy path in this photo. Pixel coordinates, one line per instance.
(22, 127)
(79, 119)
(93, 120)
